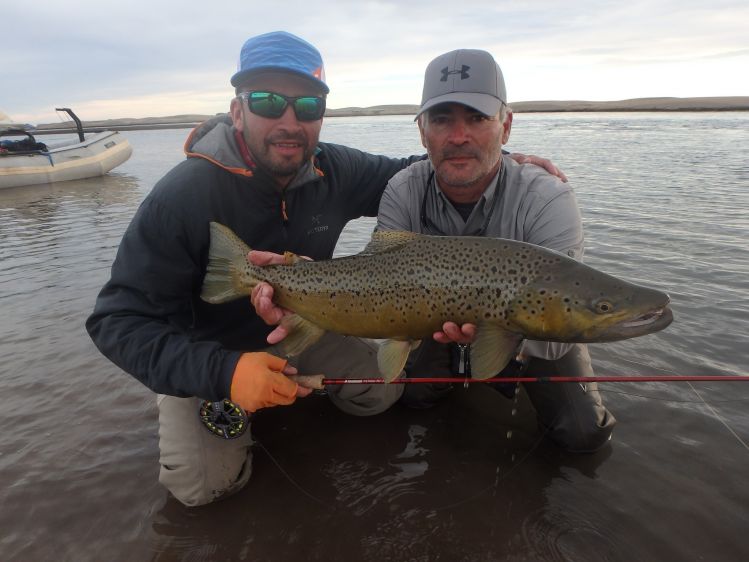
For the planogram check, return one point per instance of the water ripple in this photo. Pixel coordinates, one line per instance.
(657, 209)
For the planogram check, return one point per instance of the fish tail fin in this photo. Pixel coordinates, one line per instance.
(227, 261)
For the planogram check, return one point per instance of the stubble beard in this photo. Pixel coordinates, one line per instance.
(457, 179)
(277, 165)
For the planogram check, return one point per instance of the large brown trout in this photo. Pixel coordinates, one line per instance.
(404, 286)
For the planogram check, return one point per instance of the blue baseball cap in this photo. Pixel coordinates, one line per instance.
(279, 51)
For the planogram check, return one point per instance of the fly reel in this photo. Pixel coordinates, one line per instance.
(224, 418)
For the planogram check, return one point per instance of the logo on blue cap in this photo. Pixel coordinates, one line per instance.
(281, 52)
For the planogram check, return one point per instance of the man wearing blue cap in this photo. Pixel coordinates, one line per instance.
(468, 188)
(261, 171)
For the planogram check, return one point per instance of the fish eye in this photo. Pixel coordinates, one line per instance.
(604, 307)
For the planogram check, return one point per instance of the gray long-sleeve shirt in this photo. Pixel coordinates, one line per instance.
(532, 206)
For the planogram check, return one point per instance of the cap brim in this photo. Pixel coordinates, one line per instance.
(484, 103)
(241, 77)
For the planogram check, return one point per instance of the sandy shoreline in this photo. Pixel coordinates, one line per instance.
(728, 103)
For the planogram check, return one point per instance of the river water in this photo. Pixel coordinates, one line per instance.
(665, 199)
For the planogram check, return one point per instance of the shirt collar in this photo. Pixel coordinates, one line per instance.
(483, 204)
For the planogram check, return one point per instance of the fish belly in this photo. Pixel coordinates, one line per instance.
(413, 315)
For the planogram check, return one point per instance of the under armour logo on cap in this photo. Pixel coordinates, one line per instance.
(463, 73)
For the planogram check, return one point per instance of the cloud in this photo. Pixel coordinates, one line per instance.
(180, 54)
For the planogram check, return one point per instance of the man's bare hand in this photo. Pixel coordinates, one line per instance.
(452, 333)
(262, 296)
(544, 163)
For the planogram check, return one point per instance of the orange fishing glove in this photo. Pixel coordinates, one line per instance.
(258, 382)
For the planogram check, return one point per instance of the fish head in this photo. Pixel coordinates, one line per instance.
(572, 302)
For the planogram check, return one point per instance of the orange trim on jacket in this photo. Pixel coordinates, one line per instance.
(188, 143)
(242, 150)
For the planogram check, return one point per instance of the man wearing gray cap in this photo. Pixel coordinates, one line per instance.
(467, 187)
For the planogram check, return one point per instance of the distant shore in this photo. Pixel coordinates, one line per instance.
(730, 103)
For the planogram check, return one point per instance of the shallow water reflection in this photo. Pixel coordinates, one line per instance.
(472, 479)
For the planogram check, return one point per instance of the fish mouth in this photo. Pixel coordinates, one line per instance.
(651, 321)
(649, 318)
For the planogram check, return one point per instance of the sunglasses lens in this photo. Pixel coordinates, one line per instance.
(266, 104)
(309, 108)
(272, 106)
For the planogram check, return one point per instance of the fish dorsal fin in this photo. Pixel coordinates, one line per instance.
(388, 240)
(492, 350)
(290, 258)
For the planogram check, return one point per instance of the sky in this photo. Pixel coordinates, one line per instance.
(152, 58)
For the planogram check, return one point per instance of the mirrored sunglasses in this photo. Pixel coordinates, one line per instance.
(272, 105)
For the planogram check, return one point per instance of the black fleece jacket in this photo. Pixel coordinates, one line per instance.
(149, 318)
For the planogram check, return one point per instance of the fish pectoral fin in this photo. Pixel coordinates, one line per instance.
(391, 358)
(388, 240)
(302, 334)
(492, 350)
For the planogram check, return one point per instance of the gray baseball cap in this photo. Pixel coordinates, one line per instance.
(467, 76)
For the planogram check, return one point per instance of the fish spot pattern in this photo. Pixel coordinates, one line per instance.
(462, 279)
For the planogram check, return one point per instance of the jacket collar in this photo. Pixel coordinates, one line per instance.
(217, 141)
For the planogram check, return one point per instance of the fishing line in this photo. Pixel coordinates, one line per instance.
(703, 401)
(645, 365)
(225, 419)
(661, 399)
(719, 418)
(289, 478)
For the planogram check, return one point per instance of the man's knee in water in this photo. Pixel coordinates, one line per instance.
(198, 467)
(588, 438)
(194, 486)
(572, 414)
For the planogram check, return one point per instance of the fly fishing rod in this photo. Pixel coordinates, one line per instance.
(554, 379)
(225, 419)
